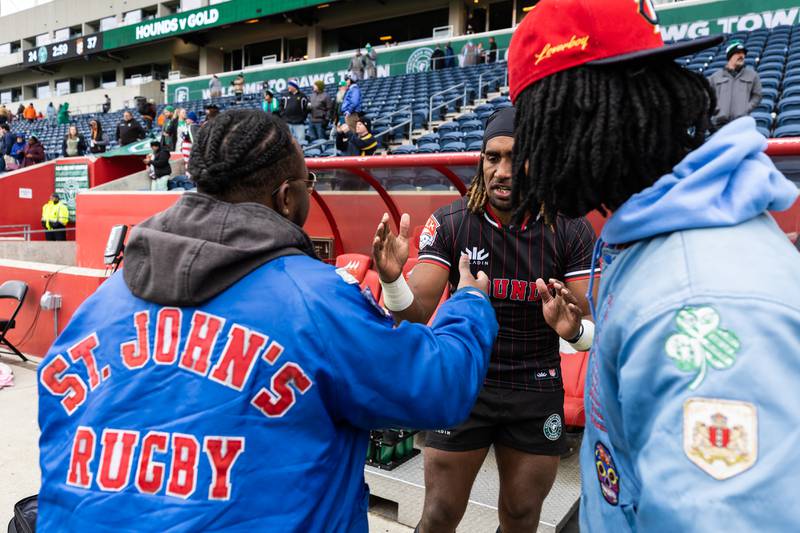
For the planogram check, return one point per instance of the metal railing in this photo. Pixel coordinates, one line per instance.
(481, 83)
(462, 96)
(23, 232)
(410, 122)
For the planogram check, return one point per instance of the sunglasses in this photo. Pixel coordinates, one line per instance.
(310, 182)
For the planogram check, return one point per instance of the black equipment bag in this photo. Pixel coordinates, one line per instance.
(25, 511)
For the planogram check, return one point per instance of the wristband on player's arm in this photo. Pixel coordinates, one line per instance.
(397, 295)
(583, 340)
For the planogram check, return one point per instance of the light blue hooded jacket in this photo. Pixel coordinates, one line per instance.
(693, 409)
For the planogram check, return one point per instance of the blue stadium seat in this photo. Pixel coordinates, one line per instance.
(428, 138)
(475, 145)
(447, 127)
(763, 131)
(473, 136)
(428, 148)
(791, 130)
(786, 118)
(466, 117)
(405, 149)
(451, 136)
(454, 147)
(762, 118)
(788, 104)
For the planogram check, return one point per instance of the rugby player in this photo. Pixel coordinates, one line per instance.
(520, 408)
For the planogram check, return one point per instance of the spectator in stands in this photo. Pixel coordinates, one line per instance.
(215, 86)
(169, 130)
(234, 261)
(469, 54)
(30, 113)
(238, 87)
(7, 139)
(449, 57)
(50, 114)
(74, 143)
(321, 111)
(107, 104)
(158, 167)
(361, 142)
(340, 93)
(357, 65)
(370, 63)
(437, 58)
(33, 153)
(212, 111)
(270, 104)
(128, 130)
(185, 133)
(55, 217)
(294, 110)
(18, 149)
(20, 111)
(98, 140)
(491, 54)
(5, 115)
(63, 114)
(737, 86)
(351, 106)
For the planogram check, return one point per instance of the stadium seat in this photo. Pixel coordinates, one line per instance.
(790, 130)
(454, 147)
(429, 138)
(573, 375)
(788, 104)
(451, 136)
(785, 118)
(446, 128)
(428, 148)
(471, 125)
(475, 146)
(404, 149)
(356, 264)
(762, 118)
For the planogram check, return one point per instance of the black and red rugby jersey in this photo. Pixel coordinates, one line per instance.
(526, 353)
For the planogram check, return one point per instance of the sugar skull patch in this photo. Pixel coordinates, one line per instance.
(606, 473)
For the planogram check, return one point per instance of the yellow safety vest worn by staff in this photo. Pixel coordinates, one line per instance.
(55, 212)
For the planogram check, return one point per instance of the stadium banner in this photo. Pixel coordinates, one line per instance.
(724, 16)
(61, 51)
(70, 180)
(391, 62)
(200, 19)
(140, 148)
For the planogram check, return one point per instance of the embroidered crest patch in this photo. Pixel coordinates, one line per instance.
(700, 343)
(720, 436)
(552, 427)
(428, 235)
(606, 473)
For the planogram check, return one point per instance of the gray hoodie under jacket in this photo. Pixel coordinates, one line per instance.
(201, 246)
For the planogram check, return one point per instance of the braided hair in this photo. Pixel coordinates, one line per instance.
(476, 194)
(241, 152)
(594, 136)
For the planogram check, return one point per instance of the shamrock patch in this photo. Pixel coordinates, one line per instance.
(701, 343)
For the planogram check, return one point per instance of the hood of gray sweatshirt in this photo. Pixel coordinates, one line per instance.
(201, 246)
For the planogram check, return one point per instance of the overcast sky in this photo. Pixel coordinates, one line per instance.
(12, 6)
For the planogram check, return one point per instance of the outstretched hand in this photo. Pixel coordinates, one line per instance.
(390, 251)
(561, 311)
(466, 279)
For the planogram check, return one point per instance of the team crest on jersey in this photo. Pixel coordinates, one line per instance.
(606, 473)
(428, 235)
(720, 436)
(552, 427)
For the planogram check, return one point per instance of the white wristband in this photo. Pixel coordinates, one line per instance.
(584, 342)
(397, 295)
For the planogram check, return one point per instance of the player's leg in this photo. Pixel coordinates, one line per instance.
(448, 481)
(525, 481)
(452, 460)
(528, 449)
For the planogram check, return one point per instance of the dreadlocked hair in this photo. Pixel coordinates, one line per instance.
(594, 136)
(476, 194)
(240, 151)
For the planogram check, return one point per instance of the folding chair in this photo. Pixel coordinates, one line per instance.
(16, 290)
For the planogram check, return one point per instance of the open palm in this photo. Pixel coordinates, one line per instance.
(561, 311)
(390, 251)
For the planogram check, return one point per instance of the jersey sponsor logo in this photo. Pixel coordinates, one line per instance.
(700, 343)
(428, 235)
(546, 374)
(229, 367)
(477, 257)
(124, 457)
(606, 473)
(552, 427)
(720, 436)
